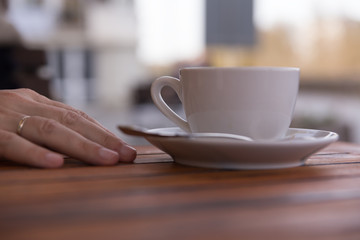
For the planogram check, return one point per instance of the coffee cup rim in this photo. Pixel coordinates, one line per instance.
(244, 68)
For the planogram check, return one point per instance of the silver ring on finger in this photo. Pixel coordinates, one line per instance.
(21, 124)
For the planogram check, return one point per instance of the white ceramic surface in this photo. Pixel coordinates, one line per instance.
(235, 154)
(257, 102)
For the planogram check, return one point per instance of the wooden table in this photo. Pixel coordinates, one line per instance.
(158, 199)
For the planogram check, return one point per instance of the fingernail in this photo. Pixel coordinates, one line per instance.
(127, 153)
(54, 160)
(108, 155)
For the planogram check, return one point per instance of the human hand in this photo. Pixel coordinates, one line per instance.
(53, 130)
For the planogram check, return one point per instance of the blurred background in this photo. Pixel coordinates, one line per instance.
(101, 55)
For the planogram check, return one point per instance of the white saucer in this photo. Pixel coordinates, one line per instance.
(235, 154)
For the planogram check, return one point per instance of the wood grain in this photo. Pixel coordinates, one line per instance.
(158, 199)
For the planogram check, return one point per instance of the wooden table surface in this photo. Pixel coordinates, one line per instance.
(158, 199)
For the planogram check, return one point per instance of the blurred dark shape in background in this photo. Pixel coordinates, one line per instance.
(20, 67)
(230, 23)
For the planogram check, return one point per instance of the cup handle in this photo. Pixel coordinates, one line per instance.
(175, 84)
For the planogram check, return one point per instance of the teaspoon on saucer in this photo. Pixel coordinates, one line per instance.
(143, 132)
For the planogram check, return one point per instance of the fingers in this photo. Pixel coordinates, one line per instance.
(24, 100)
(44, 100)
(18, 149)
(58, 127)
(55, 136)
(33, 104)
(88, 129)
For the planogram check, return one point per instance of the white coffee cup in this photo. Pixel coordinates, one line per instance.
(256, 102)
